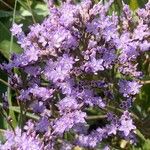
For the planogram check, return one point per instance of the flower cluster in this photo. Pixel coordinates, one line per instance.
(79, 59)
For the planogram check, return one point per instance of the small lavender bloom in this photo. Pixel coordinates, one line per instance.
(28, 56)
(141, 31)
(142, 13)
(63, 38)
(81, 128)
(31, 54)
(67, 104)
(97, 101)
(21, 141)
(145, 46)
(129, 87)
(42, 125)
(130, 69)
(127, 11)
(83, 140)
(36, 91)
(126, 104)
(68, 15)
(92, 139)
(66, 146)
(59, 70)
(41, 92)
(106, 148)
(33, 70)
(38, 107)
(66, 86)
(16, 29)
(112, 129)
(66, 122)
(126, 123)
(94, 65)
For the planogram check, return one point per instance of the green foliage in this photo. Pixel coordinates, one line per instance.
(134, 4)
(4, 46)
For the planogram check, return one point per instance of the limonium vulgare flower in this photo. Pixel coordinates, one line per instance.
(80, 59)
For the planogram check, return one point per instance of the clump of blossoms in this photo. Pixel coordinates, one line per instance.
(80, 59)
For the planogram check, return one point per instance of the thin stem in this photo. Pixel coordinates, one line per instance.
(22, 4)
(10, 51)
(29, 6)
(7, 84)
(21, 115)
(96, 117)
(7, 119)
(17, 110)
(2, 130)
(145, 82)
(6, 4)
(119, 110)
(14, 13)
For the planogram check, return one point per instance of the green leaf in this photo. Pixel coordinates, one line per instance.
(4, 48)
(134, 4)
(4, 32)
(25, 12)
(141, 3)
(4, 13)
(41, 9)
(146, 145)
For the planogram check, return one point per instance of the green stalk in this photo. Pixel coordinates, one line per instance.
(6, 4)
(17, 110)
(31, 11)
(11, 113)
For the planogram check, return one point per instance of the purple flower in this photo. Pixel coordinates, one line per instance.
(33, 70)
(38, 107)
(21, 141)
(36, 91)
(126, 123)
(106, 148)
(141, 31)
(66, 122)
(92, 139)
(145, 46)
(42, 125)
(59, 70)
(67, 104)
(112, 129)
(68, 15)
(66, 146)
(129, 87)
(94, 65)
(66, 86)
(62, 38)
(16, 29)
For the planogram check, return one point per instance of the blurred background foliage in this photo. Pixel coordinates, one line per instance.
(28, 12)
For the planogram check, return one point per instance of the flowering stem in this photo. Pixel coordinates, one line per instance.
(7, 84)
(119, 110)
